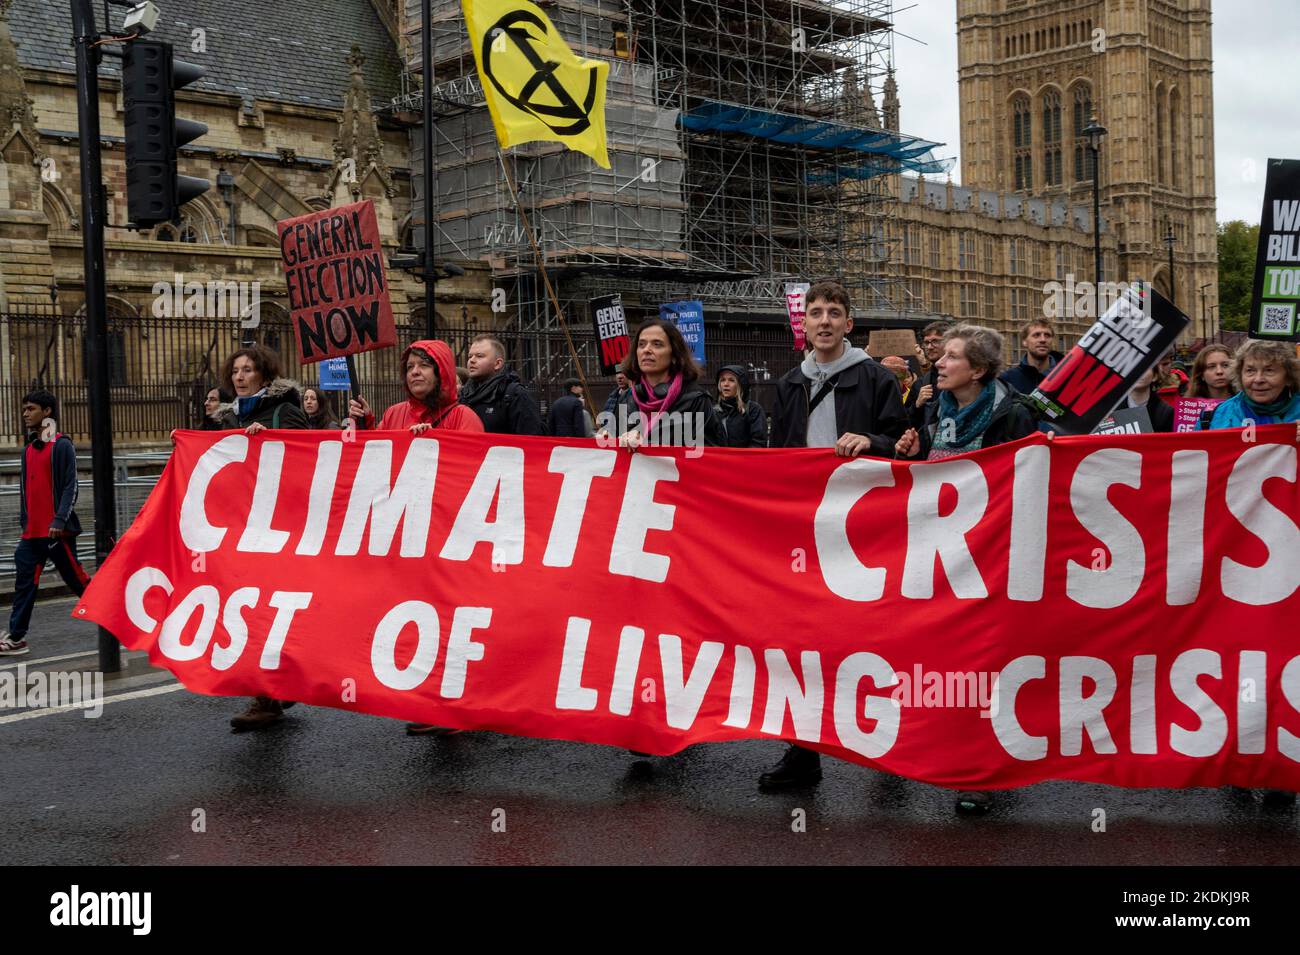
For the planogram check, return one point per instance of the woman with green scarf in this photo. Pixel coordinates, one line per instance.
(1268, 374)
(975, 410)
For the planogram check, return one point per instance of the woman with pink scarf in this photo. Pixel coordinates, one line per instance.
(664, 407)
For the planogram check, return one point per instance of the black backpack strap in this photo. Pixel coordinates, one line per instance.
(275, 416)
(826, 390)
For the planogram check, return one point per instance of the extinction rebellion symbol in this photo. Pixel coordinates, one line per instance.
(565, 117)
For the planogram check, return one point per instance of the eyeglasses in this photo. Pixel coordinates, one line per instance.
(932, 341)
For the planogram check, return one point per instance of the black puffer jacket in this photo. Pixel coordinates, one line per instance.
(741, 429)
(670, 429)
(503, 404)
(279, 408)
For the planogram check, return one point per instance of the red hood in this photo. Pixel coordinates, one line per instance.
(444, 362)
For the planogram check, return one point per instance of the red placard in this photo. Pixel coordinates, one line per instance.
(338, 289)
(1113, 609)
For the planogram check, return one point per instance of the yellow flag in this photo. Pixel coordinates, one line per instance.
(534, 85)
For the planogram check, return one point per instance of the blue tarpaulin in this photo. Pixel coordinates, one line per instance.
(889, 151)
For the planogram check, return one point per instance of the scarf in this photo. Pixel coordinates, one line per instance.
(245, 406)
(1274, 409)
(969, 423)
(651, 405)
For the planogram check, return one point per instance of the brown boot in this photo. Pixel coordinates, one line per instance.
(263, 711)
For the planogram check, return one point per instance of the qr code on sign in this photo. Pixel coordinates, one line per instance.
(1277, 319)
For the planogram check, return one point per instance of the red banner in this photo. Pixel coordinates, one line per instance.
(1113, 609)
(338, 291)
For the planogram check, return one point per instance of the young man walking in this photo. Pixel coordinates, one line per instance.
(837, 398)
(48, 492)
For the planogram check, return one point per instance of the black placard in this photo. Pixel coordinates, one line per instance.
(1094, 377)
(611, 331)
(1275, 296)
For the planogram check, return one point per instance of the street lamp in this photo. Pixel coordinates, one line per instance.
(1204, 320)
(1169, 244)
(1096, 133)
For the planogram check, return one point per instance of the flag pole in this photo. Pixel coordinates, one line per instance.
(546, 278)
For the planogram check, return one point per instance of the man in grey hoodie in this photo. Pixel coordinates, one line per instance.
(837, 398)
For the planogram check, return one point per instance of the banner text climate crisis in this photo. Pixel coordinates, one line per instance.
(1123, 590)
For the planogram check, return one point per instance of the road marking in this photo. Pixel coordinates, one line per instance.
(66, 656)
(66, 707)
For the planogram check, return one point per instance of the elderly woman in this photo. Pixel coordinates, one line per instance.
(1268, 374)
(974, 409)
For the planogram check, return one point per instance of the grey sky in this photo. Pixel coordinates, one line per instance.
(1256, 94)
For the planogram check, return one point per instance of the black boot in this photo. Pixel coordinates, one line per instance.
(974, 803)
(798, 767)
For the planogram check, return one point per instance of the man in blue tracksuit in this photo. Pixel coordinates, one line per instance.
(48, 482)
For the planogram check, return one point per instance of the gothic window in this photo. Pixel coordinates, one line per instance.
(1082, 116)
(966, 253)
(1052, 138)
(1161, 140)
(1022, 140)
(1175, 138)
(934, 251)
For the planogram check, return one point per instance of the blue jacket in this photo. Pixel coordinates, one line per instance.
(1234, 413)
(63, 459)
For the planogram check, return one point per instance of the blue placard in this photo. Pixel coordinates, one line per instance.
(689, 319)
(334, 375)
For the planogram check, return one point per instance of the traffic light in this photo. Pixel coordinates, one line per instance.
(150, 78)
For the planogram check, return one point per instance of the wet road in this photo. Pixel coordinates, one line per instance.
(331, 787)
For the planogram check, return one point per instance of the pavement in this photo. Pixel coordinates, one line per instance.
(160, 779)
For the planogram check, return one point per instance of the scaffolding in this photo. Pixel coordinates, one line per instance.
(752, 143)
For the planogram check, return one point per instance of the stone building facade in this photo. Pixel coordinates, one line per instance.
(1031, 75)
(292, 127)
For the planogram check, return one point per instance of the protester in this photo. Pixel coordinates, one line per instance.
(567, 417)
(495, 392)
(218, 411)
(975, 409)
(836, 398)
(1038, 338)
(742, 419)
(47, 492)
(1212, 374)
(263, 400)
(320, 417)
(1268, 374)
(665, 407)
(621, 386)
(931, 351)
(1170, 382)
(1142, 395)
(429, 376)
(902, 371)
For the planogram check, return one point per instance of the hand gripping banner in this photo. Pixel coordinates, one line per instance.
(1114, 609)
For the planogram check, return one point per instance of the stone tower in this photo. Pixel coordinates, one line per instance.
(1031, 72)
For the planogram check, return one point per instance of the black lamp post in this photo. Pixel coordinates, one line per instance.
(1169, 244)
(1205, 323)
(1096, 133)
(54, 292)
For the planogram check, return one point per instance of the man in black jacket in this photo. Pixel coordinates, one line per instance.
(1038, 339)
(837, 398)
(495, 392)
(568, 417)
(47, 494)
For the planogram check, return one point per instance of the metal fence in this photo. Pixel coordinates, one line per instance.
(162, 367)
